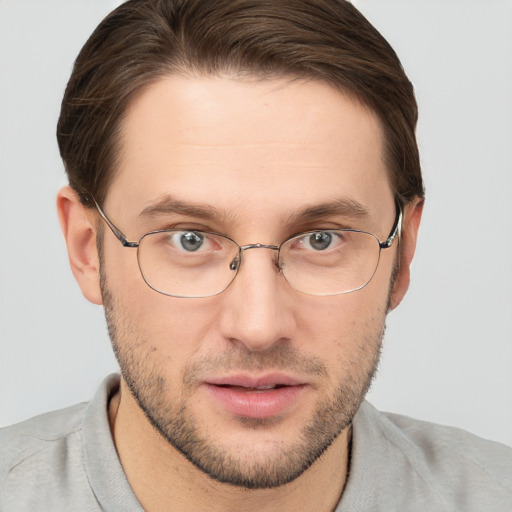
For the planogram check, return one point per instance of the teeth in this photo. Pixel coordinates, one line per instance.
(270, 386)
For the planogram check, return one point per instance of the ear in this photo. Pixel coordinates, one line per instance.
(410, 226)
(78, 226)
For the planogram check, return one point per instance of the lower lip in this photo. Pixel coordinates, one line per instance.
(256, 404)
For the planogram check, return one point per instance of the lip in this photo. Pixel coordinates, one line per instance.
(254, 381)
(252, 396)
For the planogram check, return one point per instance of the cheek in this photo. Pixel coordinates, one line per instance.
(172, 329)
(176, 328)
(342, 317)
(346, 331)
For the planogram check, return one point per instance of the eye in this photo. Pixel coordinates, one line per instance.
(190, 241)
(320, 240)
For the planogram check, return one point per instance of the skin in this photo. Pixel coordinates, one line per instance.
(257, 152)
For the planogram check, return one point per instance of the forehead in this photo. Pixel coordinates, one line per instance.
(242, 144)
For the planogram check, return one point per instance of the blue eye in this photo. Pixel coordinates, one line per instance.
(188, 240)
(320, 240)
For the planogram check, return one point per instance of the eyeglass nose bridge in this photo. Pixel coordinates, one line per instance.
(235, 264)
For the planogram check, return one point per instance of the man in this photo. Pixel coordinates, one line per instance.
(245, 195)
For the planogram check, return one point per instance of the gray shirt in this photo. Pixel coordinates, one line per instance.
(66, 460)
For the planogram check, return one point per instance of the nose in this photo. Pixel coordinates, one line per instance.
(257, 309)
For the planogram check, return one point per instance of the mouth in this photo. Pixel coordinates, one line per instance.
(251, 389)
(256, 397)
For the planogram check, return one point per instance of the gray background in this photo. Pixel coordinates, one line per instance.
(448, 348)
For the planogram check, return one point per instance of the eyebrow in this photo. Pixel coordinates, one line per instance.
(342, 207)
(169, 205)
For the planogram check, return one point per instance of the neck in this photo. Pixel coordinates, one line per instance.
(160, 475)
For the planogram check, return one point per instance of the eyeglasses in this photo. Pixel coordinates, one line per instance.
(195, 263)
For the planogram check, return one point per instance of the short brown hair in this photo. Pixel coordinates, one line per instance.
(142, 40)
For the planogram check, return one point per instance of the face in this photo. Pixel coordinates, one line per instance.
(254, 384)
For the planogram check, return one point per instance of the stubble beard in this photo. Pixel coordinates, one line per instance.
(178, 425)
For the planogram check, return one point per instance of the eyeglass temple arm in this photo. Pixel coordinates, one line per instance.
(396, 230)
(118, 234)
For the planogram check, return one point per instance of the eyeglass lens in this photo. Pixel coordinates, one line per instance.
(200, 264)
